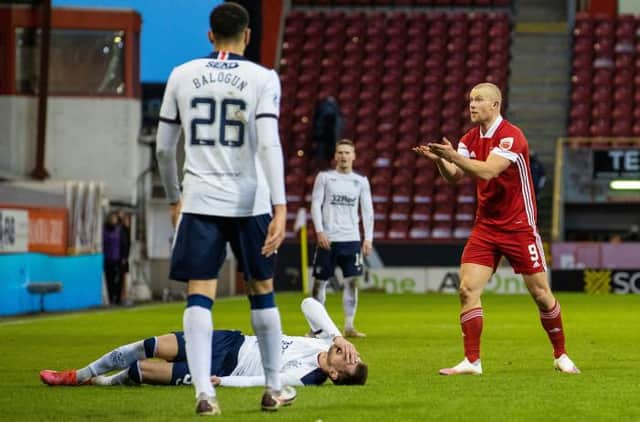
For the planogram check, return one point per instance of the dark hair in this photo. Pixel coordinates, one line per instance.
(228, 20)
(359, 376)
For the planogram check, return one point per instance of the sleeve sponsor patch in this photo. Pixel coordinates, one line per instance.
(506, 143)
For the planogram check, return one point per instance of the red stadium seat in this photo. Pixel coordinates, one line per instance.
(421, 212)
(462, 230)
(380, 210)
(399, 212)
(380, 230)
(401, 79)
(398, 230)
(419, 230)
(441, 230)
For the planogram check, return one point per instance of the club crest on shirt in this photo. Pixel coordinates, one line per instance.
(506, 143)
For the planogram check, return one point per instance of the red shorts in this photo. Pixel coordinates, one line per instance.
(523, 249)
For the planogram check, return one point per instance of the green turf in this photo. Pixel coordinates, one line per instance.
(410, 337)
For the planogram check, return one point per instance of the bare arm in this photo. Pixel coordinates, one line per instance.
(451, 172)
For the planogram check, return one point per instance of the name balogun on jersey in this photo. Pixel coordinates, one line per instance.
(221, 77)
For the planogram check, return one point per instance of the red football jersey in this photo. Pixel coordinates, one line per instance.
(507, 201)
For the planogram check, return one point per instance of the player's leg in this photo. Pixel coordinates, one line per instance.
(265, 320)
(162, 372)
(479, 260)
(551, 319)
(526, 255)
(323, 268)
(350, 261)
(119, 358)
(246, 241)
(198, 254)
(197, 324)
(147, 372)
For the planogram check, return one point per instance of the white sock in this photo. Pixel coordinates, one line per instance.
(267, 327)
(121, 378)
(320, 288)
(349, 301)
(119, 358)
(198, 330)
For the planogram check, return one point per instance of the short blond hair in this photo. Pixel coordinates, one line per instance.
(492, 89)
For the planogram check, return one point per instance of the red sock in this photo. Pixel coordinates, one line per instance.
(552, 323)
(471, 322)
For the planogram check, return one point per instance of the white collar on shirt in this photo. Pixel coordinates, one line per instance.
(492, 129)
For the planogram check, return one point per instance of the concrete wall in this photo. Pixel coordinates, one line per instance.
(629, 6)
(88, 138)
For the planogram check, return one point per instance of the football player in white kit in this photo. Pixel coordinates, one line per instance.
(235, 361)
(228, 109)
(334, 209)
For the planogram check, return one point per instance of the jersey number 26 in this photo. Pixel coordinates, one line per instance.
(228, 108)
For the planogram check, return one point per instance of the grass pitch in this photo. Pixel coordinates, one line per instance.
(410, 338)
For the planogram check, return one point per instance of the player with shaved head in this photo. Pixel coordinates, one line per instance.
(496, 154)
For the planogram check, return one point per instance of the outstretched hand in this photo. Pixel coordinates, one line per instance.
(424, 151)
(442, 150)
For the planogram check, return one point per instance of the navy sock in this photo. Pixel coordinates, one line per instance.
(150, 347)
(134, 373)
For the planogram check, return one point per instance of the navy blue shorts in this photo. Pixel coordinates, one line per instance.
(346, 255)
(201, 246)
(225, 346)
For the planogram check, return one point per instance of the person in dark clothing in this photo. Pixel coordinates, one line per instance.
(537, 174)
(114, 245)
(125, 224)
(328, 125)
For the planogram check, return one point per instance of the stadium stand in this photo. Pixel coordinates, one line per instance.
(386, 70)
(605, 99)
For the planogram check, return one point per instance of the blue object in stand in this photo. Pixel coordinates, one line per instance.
(80, 276)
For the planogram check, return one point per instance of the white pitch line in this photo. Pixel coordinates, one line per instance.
(86, 312)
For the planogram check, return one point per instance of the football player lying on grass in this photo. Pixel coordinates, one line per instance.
(235, 360)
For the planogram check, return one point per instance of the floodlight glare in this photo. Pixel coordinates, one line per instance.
(625, 184)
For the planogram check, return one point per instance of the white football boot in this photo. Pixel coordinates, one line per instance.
(566, 365)
(464, 368)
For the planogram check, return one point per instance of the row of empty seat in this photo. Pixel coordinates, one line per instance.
(605, 97)
(400, 79)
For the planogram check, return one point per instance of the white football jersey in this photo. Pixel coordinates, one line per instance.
(217, 101)
(334, 205)
(299, 359)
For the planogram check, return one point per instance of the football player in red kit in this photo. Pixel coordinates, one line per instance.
(496, 154)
